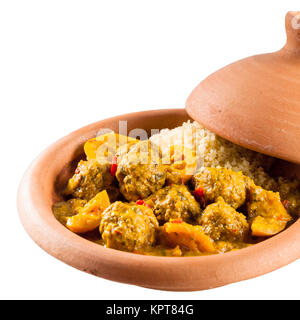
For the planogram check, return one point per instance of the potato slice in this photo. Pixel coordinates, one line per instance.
(264, 227)
(89, 217)
(187, 236)
(181, 164)
(266, 212)
(106, 145)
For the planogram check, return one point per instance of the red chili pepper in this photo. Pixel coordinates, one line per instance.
(177, 221)
(118, 232)
(77, 170)
(199, 195)
(143, 203)
(199, 192)
(114, 166)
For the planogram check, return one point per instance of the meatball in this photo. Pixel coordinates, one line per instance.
(128, 227)
(266, 212)
(221, 222)
(222, 182)
(140, 172)
(174, 202)
(90, 178)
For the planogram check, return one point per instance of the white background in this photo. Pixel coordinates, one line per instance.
(65, 64)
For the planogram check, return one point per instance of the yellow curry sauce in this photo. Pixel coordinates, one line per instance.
(126, 196)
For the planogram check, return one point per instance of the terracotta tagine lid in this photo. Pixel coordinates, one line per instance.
(255, 102)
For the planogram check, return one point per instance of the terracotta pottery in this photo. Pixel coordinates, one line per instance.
(255, 102)
(39, 190)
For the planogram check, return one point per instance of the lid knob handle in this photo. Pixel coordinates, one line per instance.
(292, 26)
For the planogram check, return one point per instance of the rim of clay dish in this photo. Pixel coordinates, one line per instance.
(35, 200)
